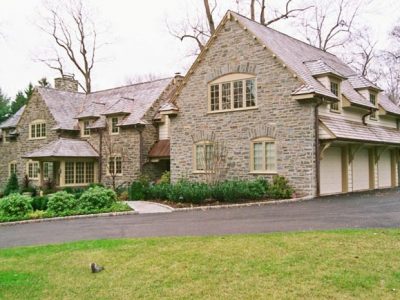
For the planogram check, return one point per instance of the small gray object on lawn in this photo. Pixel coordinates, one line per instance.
(96, 268)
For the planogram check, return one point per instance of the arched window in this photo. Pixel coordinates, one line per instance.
(12, 168)
(37, 130)
(232, 92)
(263, 155)
(203, 153)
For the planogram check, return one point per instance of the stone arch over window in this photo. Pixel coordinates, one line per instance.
(263, 131)
(245, 68)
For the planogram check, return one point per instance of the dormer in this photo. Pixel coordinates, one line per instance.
(330, 79)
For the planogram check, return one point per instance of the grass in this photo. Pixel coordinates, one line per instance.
(348, 264)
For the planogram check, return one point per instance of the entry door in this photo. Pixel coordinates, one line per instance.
(331, 171)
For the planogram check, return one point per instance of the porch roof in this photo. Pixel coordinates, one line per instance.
(64, 148)
(343, 129)
(161, 149)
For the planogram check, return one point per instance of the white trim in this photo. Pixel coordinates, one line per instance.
(36, 123)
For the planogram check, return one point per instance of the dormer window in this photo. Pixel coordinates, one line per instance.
(335, 89)
(85, 130)
(114, 128)
(232, 92)
(6, 136)
(37, 130)
(372, 99)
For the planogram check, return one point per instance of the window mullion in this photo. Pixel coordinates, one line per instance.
(220, 96)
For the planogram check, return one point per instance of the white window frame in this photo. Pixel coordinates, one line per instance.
(37, 123)
(85, 132)
(374, 115)
(10, 171)
(203, 144)
(112, 132)
(264, 141)
(114, 157)
(231, 79)
(339, 93)
(5, 132)
(35, 169)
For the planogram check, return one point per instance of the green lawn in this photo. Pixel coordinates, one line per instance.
(362, 264)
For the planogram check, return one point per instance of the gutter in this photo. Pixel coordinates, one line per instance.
(366, 115)
(317, 146)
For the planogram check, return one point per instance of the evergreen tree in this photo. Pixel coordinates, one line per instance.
(44, 82)
(21, 98)
(4, 106)
(12, 185)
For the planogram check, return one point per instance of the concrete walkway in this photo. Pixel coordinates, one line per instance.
(146, 207)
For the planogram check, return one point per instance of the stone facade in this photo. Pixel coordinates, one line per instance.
(292, 124)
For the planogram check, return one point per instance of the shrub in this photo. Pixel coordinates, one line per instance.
(37, 214)
(280, 188)
(165, 178)
(61, 202)
(158, 191)
(76, 192)
(12, 185)
(137, 190)
(192, 192)
(39, 202)
(234, 190)
(15, 205)
(123, 196)
(97, 198)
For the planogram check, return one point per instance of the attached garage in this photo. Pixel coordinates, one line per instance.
(384, 170)
(331, 171)
(360, 171)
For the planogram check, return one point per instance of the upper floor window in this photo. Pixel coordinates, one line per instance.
(114, 127)
(37, 129)
(32, 169)
(263, 155)
(335, 89)
(85, 131)
(203, 156)
(372, 99)
(232, 92)
(6, 136)
(115, 165)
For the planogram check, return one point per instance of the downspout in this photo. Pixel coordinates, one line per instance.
(317, 146)
(366, 115)
(140, 150)
(100, 155)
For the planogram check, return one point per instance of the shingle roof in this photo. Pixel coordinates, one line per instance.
(387, 104)
(12, 121)
(64, 106)
(351, 130)
(64, 148)
(359, 82)
(305, 60)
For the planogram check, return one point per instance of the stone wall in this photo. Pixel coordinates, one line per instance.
(35, 109)
(292, 124)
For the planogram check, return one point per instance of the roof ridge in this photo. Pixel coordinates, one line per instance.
(58, 90)
(124, 86)
(285, 34)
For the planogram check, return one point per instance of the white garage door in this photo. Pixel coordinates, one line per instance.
(361, 170)
(331, 171)
(384, 170)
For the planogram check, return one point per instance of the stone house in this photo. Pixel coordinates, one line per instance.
(257, 102)
(65, 138)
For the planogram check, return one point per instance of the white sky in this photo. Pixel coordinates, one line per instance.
(140, 42)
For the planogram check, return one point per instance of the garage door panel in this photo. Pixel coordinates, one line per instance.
(331, 171)
(361, 170)
(384, 170)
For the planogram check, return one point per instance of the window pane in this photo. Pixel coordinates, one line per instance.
(80, 172)
(89, 172)
(43, 129)
(118, 165)
(258, 156)
(111, 165)
(335, 88)
(214, 105)
(238, 94)
(114, 127)
(209, 156)
(226, 95)
(48, 170)
(33, 131)
(270, 157)
(200, 157)
(250, 93)
(86, 130)
(69, 173)
(37, 130)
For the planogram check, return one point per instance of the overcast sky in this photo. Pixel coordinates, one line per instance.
(139, 40)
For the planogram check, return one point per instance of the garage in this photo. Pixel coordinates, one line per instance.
(361, 170)
(331, 171)
(384, 170)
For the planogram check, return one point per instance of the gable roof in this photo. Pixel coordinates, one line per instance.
(12, 121)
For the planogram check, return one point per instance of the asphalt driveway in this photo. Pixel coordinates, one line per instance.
(381, 209)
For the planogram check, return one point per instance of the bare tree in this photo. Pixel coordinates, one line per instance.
(277, 14)
(111, 150)
(142, 78)
(75, 42)
(330, 23)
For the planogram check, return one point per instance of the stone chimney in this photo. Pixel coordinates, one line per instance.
(178, 78)
(66, 83)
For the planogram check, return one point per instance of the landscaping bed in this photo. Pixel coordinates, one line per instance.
(342, 264)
